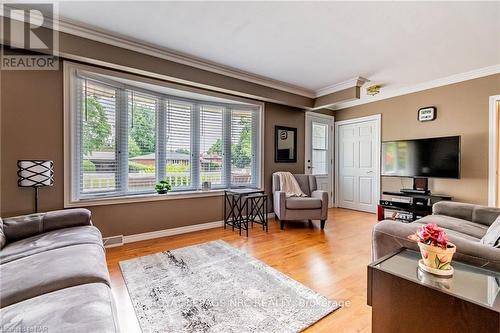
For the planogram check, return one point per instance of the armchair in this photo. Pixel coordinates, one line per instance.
(312, 207)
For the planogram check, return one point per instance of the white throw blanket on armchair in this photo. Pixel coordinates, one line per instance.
(289, 185)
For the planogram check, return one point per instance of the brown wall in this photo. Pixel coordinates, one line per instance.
(91, 51)
(32, 119)
(32, 128)
(462, 109)
(348, 94)
(281, 115)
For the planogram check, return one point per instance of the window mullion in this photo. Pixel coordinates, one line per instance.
(195, 146)
(77, 125)
(255, 149)
(161, 138)
(227, 147)
(121, 127)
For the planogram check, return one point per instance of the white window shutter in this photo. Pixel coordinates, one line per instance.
(125, 138)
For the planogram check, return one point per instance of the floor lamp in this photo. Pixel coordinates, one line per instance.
(36, 174)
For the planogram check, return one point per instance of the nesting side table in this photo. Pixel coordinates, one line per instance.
(244, 206)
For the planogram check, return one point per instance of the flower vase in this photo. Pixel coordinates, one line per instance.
(436, 259)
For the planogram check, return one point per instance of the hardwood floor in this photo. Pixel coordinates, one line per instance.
(332, 263)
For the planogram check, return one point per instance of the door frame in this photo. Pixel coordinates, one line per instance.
(307, 138)
(378, 149)
(493, 147)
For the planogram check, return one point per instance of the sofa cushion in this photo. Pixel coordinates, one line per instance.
(473, 229)
(492, 236)
(85, 308)
(52, 270)
(303, 203)
(485, 215)
(19, 227)
(452, 233)
(49, 241)
(469, 212)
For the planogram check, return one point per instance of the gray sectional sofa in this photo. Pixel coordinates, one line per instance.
(53, 275)
(475, 230)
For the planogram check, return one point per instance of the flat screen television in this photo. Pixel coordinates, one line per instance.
(429, 158)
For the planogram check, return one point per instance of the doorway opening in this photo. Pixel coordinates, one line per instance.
(319, 151)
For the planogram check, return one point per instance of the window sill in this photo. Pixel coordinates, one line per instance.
(143, 198)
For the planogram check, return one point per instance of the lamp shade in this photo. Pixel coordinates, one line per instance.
(35, 173)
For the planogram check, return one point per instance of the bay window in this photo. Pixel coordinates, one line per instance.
(124, 136)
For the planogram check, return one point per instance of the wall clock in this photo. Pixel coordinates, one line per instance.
(427, 114)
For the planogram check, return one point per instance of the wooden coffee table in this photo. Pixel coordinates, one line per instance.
(405, 299)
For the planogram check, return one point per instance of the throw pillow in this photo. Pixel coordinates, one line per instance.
(492, 236)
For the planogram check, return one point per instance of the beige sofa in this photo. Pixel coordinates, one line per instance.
(312, 207)
(465, 224)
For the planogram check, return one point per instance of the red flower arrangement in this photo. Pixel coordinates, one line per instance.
(431, 234)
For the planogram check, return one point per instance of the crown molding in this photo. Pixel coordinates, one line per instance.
(456, 78)
(90, 32)
(355, 82)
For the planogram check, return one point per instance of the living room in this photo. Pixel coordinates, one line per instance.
(249, 172)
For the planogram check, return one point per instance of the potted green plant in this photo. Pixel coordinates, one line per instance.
(435, 248)
(163, 187)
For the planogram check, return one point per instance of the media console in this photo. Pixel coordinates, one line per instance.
(417, 206)
(419, 159)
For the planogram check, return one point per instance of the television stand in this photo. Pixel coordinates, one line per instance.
(413, 191)
(419, 206)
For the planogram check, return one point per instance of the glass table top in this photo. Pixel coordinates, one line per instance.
(244, 190)
(468, 282)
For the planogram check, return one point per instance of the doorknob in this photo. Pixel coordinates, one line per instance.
(369, 172)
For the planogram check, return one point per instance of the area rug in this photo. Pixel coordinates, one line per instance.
(214, 287)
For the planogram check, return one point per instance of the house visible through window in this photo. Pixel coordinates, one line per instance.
(126, 137)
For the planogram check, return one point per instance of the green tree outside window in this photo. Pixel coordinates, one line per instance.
(143, 130)
(96, 129)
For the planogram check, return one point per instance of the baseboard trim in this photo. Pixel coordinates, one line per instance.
(113, 241)
(169, 232)
(112, 245)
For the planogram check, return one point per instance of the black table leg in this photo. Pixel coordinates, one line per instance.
(225, 209)
(242, 210)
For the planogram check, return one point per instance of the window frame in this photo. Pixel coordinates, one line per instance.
(72, 170)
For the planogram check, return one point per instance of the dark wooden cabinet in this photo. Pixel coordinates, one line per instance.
(402, 302)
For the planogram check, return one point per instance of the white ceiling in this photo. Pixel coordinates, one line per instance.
(313, 45)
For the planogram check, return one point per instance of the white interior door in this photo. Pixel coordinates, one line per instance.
(319, 151)
(358, 163)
